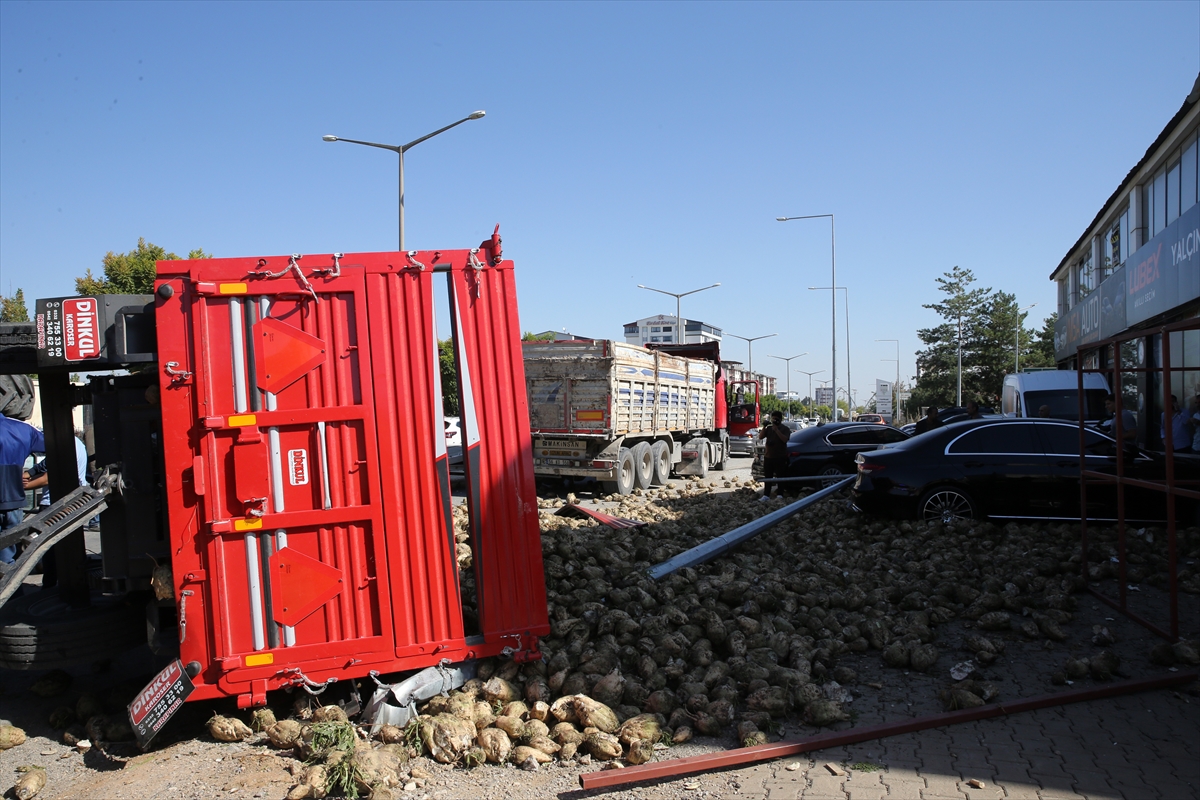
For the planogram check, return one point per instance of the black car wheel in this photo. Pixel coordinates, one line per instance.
(831, 469)
(947, 504)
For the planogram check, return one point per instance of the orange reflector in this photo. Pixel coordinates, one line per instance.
(252, 524)
(231, 288)
(589, 416)
(258, 659)
(242, 420)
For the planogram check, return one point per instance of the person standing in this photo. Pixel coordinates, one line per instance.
(775, 436)
(1128, 423)
(18, 441)
(1181, 436)
(929, 422)
(973, 410)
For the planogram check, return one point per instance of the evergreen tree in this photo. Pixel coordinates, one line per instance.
(129, 273)
(12, 309)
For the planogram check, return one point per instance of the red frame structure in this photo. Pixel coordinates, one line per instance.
(308, 489)
(1170, 486)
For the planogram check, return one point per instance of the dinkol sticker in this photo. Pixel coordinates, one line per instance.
(298, 467)
(80, 323)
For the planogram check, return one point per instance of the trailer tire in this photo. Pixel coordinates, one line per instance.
(702, 460)
(41, 631)
(626, 471)
(643, 463)
(662, 462)
(723, 462)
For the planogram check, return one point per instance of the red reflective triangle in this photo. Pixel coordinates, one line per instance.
(300, 585)
(285, 354)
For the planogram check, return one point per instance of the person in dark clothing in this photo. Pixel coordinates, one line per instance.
(930, 421)
(18, 440)
(973, 410)
(775, 436)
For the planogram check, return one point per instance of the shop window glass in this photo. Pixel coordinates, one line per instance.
(1188, 178)
(1173, 193)
(1159, 201)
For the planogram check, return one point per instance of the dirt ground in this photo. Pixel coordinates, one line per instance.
(185, 762)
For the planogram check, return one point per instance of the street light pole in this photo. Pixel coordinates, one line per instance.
(1017, 349)
(833, 307)
(677, 296)
(787, 369)
(750, 349)
(846, 296)
(896, 385)
(400, 149)
(810, 395)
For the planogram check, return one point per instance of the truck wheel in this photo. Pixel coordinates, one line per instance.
(723, 461)
(643, 463)
(661, 454)
(41, 631)
(626, 471)
(702, 461)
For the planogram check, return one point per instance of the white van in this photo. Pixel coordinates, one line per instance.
(1053, 393)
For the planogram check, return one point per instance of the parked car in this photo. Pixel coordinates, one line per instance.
(954, 414)
(830, 449)
(1009, 468)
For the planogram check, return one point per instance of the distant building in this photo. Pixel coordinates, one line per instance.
(661, 329)
(734, 371)
(560, 336)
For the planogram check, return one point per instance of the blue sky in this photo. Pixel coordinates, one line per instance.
(624, 143)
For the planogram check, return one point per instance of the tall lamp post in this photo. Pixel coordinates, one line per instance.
(787, 369)
(810, 396)
(400, 150)
(750, 348)
(1017, 348)
(833, 306)
(896, 385)
(678, 320)
(846, 296)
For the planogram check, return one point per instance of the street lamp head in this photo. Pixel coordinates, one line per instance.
(781, 219)
(477, 114)
(329, 137)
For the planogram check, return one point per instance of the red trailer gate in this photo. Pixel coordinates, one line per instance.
(308, 490)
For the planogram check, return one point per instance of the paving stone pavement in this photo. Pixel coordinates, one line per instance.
(1137, 747)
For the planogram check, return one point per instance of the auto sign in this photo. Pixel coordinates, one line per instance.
(159, 701)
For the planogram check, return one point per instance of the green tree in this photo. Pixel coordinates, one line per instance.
(12, 309)
(129, 273)
(1037, 347)
(969, 314)
(449, 377)
(529, 336)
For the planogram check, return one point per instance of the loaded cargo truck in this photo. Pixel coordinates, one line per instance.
(625, 415)
(274, 498)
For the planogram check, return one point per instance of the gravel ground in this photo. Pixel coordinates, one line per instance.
(186, 763)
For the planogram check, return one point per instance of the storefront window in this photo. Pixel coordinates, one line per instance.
(1087, 276)
(1188, 178)
(1173, 193)
(1159, 203)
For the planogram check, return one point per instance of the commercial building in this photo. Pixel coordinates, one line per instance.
(662, 328)
(1136, 268)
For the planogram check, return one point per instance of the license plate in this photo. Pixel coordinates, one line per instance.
(558, 462)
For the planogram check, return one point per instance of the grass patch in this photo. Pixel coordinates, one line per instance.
(865, 766)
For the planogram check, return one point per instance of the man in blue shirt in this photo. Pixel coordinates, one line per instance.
(1181, 435)
(18, 440)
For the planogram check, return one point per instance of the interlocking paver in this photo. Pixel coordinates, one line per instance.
(1020, 790)
(903, 788)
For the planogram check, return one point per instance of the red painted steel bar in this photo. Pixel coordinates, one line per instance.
(765, 752)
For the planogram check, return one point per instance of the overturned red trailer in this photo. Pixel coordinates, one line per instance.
(305, 495)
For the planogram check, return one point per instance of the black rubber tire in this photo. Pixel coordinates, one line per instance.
(643, 465)
(947, 504)
(40, 631)
(724, 461)
(662, 462)
(830, 469)
(626, 471)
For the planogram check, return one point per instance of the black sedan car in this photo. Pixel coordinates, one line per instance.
(1009, 468)
(830, 449)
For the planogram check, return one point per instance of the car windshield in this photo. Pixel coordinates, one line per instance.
(1064, 403)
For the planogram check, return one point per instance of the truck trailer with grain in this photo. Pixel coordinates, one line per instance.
(625, 415)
